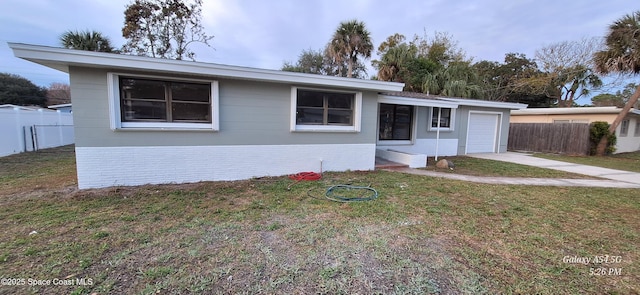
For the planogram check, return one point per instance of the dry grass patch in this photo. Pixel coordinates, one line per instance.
(491, 168)
(421, 236)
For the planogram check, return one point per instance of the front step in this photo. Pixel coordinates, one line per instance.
(386, 164)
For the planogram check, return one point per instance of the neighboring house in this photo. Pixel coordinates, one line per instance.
(65, 107)
(627, 133)
(142, 120)
(17, 107)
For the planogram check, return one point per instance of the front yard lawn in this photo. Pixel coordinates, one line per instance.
(268, 236)
(483, 167)
(624, 161)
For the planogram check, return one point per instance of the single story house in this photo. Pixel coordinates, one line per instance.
(627, 133)
(141, 120)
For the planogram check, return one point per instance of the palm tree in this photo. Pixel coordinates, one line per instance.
(349, 41)
(392, 62)
(86, 40)
(621, 55)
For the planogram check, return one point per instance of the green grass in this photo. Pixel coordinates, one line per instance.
(624, 161)
(482, 167)
(422, 235)
(39, 170)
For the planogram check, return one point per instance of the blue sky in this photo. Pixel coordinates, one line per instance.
(264, 34)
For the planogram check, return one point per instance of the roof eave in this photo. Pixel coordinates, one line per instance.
(424, 102)
(61, 59)
(571, 111)
(487, 103)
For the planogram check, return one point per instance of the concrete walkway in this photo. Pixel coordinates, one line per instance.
(529, 160)
(614, 178)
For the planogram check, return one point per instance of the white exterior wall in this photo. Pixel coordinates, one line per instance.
(125, 166)
(630, 142)
(412, 160)
(427, 146)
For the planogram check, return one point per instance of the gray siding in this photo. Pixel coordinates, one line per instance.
(423, 121)
(251, 113)
(463, 120)
(461, 126)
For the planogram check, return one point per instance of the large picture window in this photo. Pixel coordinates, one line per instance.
(148, 100)
(396, 122)
(145, 102)
(324, 108)
(320, 110)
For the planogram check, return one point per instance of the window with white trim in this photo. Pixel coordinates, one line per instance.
(624, 128)
(446, 118)
(570, 121)
(145, 100)
(325, 110)
(637, 132)
(151, 102)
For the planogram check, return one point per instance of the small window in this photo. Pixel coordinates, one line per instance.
(624, 128)
(325, 110)
(637, 132)
(571, 121)
(145, 100)
(445, 117)
(396, 122)
(580, 121)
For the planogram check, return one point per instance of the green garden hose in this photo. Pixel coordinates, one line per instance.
(368, 193)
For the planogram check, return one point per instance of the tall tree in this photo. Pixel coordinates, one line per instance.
(441, 48)
(394, 63)
(309, 61)
(507, 81)
(568, 70)
(321, 63)
(458, 79)
(164, 28)
(621, 55)
(18, 90)
(627, 92)
(58, 93)
(434, 65)
(392, 41)
(349, 42)
(606, 100)
(86, 40)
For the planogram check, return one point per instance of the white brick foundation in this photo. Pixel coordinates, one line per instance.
(446, 147)
(116, 166)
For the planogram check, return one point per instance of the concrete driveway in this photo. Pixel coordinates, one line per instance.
(527, 159)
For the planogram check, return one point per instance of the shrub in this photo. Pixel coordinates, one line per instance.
(597, 130)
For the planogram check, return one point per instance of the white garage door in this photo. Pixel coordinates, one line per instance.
(482, 136)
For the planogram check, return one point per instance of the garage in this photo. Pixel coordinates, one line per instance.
(482, 134)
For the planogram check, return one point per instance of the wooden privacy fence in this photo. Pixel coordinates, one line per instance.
(558, 138)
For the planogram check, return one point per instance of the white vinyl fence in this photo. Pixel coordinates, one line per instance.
(23, 130)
